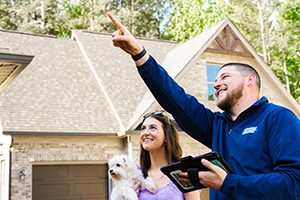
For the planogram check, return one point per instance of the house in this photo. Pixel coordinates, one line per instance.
(80, 101)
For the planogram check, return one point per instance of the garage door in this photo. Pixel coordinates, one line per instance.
(69, 182)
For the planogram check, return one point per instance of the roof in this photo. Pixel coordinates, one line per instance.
(72, 85)
(56, 92)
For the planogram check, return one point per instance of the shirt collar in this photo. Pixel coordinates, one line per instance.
(261, 101)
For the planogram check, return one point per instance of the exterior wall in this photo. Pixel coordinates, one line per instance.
(29, 151)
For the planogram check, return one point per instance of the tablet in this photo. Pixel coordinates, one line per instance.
(192, 165)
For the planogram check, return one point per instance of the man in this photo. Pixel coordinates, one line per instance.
(259, 140)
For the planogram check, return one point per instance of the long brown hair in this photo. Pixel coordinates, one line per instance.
(172, 146)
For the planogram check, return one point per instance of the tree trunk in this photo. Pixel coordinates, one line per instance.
(92, 15)
(43, 14)
(262, 31)
(287, 81)
(132, 17)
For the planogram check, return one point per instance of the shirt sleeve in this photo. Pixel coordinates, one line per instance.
(283, 181)
(192, 116)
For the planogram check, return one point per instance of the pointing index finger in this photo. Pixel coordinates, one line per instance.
(115, 21)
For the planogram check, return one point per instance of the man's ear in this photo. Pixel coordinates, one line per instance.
(251, 79)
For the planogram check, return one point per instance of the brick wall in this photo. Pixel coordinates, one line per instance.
(28, 151)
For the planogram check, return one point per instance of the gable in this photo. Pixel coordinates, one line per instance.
(229, 44)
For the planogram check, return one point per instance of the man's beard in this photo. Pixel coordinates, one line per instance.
(231, 99)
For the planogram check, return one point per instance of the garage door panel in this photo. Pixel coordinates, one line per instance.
(53, 190)
(70, 182)
(89, 188)
(89, 172)
(52, 172)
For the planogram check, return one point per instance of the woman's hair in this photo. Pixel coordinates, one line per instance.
(172, 146)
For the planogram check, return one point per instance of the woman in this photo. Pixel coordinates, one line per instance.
(160, 147)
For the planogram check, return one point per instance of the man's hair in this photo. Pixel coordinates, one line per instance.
(245, 69)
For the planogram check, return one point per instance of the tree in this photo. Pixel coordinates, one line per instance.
(36, 16)
(5, 19)
(60, 17)
(285, 47)
(190, 18)
(142, 17)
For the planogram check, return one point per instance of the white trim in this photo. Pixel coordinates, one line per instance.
(6, 141)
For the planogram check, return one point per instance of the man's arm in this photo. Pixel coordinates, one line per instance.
(192, 116)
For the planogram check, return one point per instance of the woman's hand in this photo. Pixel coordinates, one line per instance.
(136, 186)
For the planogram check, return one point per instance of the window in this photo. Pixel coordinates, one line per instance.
(211, 71)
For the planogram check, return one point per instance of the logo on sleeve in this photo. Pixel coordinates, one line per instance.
(249, 130)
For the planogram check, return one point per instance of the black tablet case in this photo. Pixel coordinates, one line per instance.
(192, 165)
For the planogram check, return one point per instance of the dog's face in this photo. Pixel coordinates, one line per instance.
(119, 167)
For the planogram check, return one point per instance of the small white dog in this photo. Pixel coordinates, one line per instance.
(122, 170)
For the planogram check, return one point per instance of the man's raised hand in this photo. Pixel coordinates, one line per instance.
(123, 38)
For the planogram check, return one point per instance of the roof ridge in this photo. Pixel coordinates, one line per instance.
(28, 33)
(122, 128)
(137, 37)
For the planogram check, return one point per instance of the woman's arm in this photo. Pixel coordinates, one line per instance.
(195, 195)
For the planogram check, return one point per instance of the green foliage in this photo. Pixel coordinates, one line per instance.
(5, 20)
(190, 18)
(60, 17)
(286, 46)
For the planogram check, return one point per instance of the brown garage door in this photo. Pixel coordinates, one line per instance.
(70, 182)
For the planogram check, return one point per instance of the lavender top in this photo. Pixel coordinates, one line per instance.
(169, 191)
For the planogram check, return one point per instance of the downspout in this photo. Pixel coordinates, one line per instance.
(129, 146)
